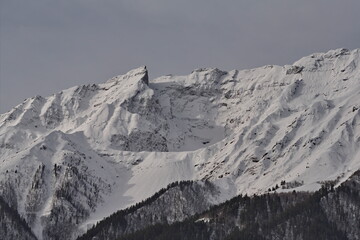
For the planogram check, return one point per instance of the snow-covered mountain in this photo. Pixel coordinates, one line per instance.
(71, 159)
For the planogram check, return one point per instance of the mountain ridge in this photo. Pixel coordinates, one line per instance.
(95, 149)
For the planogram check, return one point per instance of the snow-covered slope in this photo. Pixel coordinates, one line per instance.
(71, 159)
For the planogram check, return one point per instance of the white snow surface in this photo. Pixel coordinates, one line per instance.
(244, 130)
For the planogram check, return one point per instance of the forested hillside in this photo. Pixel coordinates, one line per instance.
(331, 214)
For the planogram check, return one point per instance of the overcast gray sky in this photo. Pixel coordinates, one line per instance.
(50, 45)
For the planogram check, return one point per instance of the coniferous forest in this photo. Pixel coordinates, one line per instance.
(329, 213)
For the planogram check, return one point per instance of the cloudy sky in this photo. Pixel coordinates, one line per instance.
(50, 45)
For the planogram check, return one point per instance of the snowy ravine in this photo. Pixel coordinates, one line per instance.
(71, 159)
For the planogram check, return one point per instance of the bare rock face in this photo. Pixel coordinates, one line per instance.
(140, 141)
(294, 70)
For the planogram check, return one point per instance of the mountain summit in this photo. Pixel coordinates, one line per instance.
(73, 158)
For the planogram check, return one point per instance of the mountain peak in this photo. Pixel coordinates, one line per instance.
(140, 74)
(86, 151)
(331, 60)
